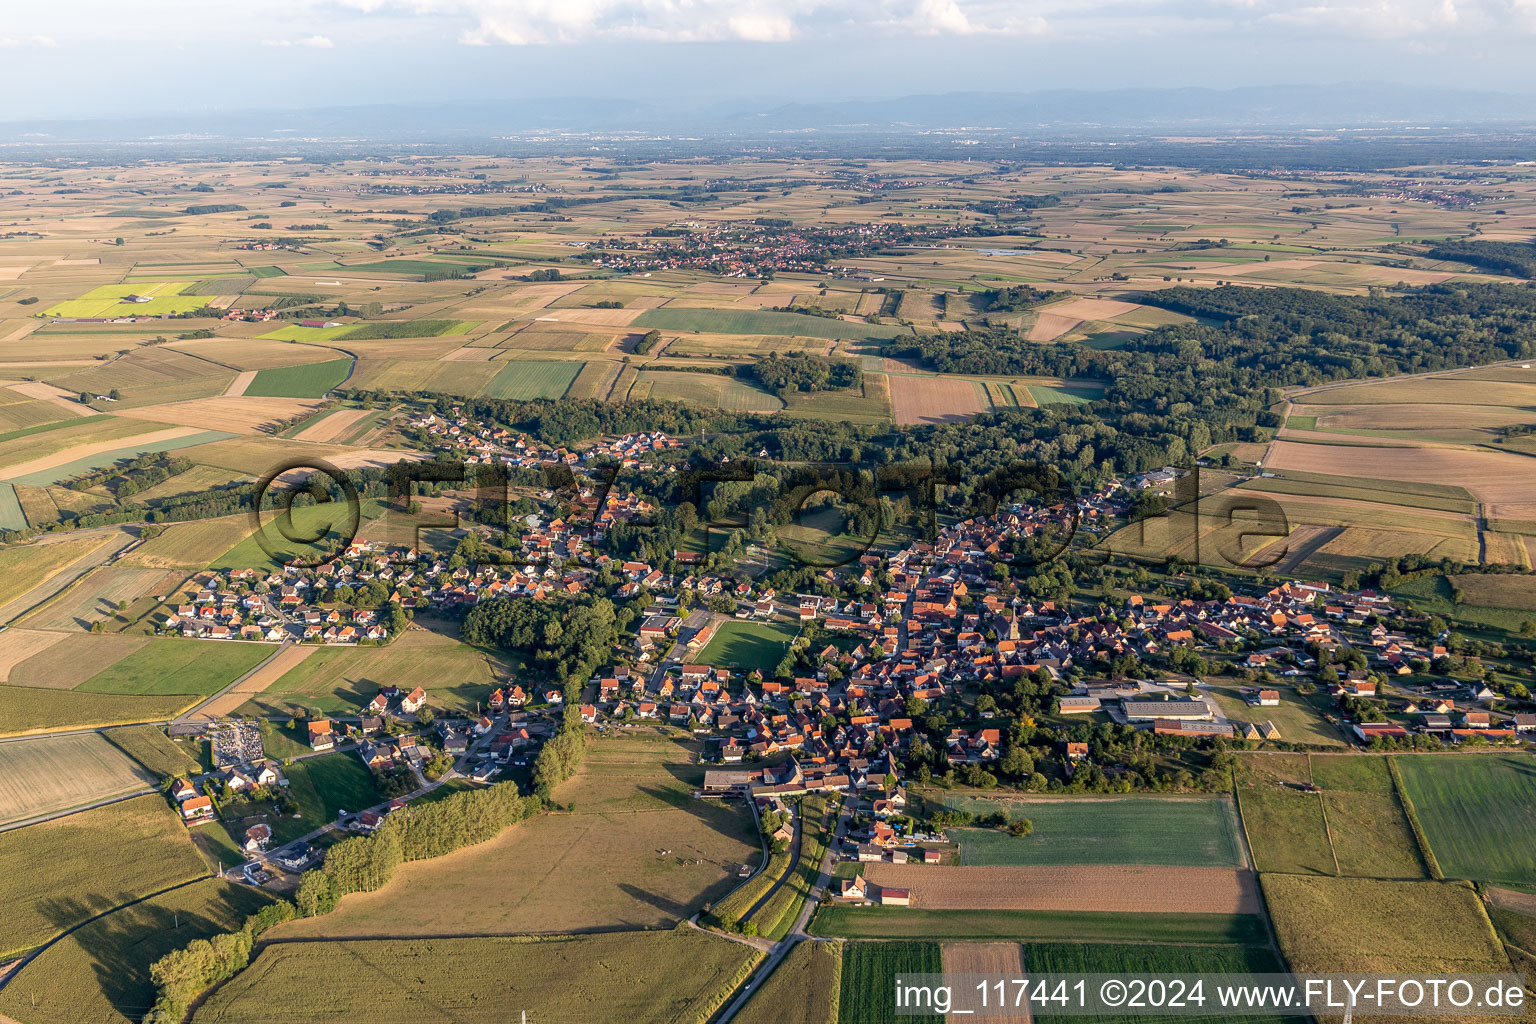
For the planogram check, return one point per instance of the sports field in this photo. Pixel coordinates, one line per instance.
(1139, 830)
(749, 645)
(1478, 813)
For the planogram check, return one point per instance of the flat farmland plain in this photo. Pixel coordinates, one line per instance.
(638, 851)
(671, 977)
(1187, 832)
(53, 773)
(917, 399)
(56, 874)
(100, 972)
(1129, 889)
(803, 989)
(1478, 813)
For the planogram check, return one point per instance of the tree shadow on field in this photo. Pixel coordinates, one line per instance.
(726, 818)
(119, 946)
(673, 909)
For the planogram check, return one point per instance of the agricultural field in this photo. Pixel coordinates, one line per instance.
(749, 645)
(1478, 813)
(55, 773)
(675, 977)
(100, 972)
(637, 850)
(105, 595)
(526, 379)
(1109, 958)
(753, 321)
(876, 922)
(1127, 889)
(167, 666)
(152, 748)
(803, 989)
(1361, 925)
(190, 545)
(867, 993)
(22, 568)
(708, 390)
(310, 380)
(57, 874)
(28, 709)
(1141, 830)
(342, 680)
(113, 300)
(307, 532)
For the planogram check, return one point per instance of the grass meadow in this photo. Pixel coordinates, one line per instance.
(1478, 813)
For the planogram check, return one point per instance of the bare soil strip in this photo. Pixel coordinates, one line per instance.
(240, 383)
(1089, 888)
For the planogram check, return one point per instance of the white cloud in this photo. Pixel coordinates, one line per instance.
(317, 42)
(35, 42)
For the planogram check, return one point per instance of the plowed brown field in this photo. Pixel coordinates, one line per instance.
(1104, 888)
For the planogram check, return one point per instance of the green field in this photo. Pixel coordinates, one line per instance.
(1109, 958)
(680, 976)
(283, 536)
(388, 329)
(850, 922)
(709, 391)
(868, 990)
(523, 380)
(339, 680)
(749, 645)
(149, 745)
(165, 297)
(297, 332)
(322, 786)
(59, 873)
(754, 321)
(1065, 394)
(1478, 813)
(311, 380)
(1370, 832)
(100, 973)
(167, 666)
(1285, 824)
(1139, 830)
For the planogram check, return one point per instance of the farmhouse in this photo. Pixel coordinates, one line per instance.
(320, 735)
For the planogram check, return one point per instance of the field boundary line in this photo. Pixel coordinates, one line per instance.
(1412, 814)
(18, 966)
(1322, 805)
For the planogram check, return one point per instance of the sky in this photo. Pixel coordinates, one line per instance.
(107, 58)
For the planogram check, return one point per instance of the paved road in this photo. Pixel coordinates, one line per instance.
(797, 934)
(191, 712)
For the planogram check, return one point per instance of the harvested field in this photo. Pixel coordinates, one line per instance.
(240, 383)
(69, 455)
(1050, 326)
(77, 657)
(29, 709)
(709, 391)
(52, 773)
(803, 989)
(1362, 925)
(920, 399)
(334, 426)
(24, 568)
(1094, 309)
(1506, 483)
(96, 597)
(290, 657)
(675, 977)
(54, 875)
(235, 414)
(638, 852)
(1111, 888)
(17, 645)
(58, 396)
(997, 959)
(190, 545)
